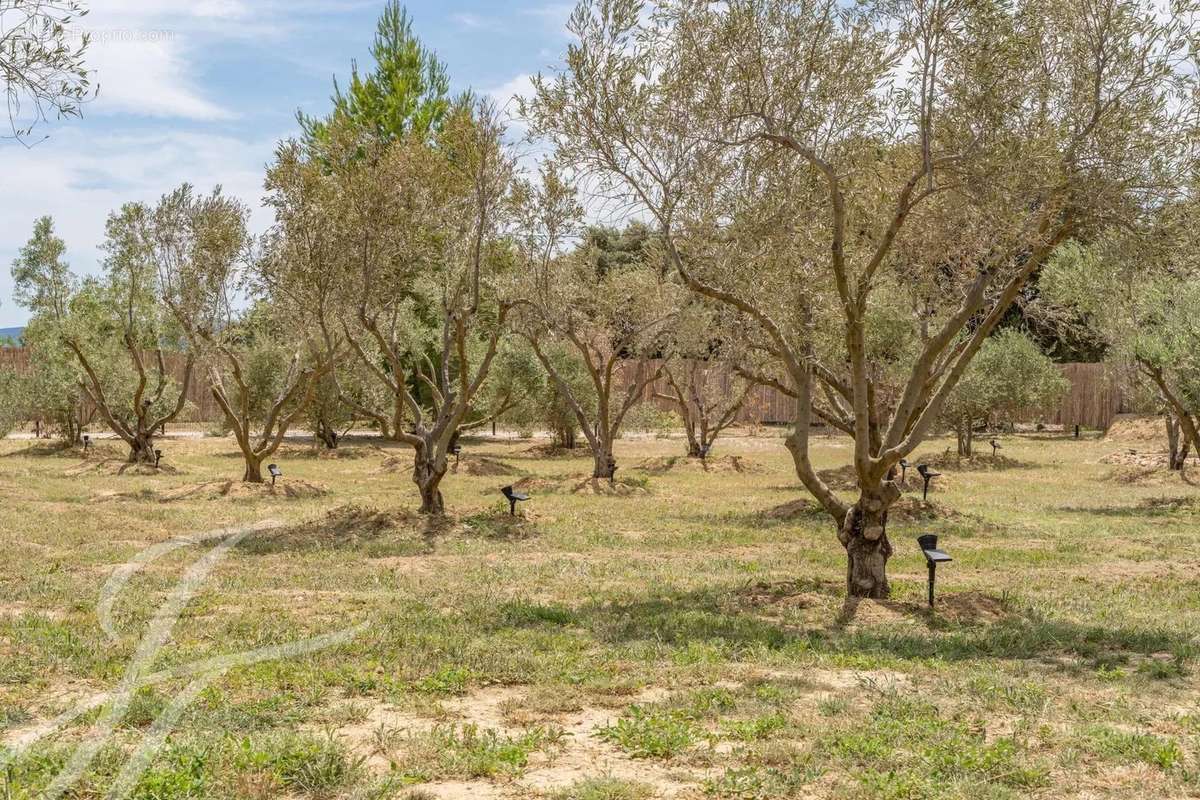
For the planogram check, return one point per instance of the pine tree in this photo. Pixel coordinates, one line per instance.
(406, 93)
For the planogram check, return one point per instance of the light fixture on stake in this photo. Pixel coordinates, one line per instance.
(87, 442)
(275, 471)
(933, 557)
(903, 471)
(995, 446)
(928, 475)
(157, 457)
(513, 498)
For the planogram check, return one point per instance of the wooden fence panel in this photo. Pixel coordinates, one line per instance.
(1098, 392)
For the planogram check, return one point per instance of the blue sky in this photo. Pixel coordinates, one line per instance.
(201, 90)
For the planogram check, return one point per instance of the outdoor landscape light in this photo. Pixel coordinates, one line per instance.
(456, 451)
(903, 470)
(87, 440)
(928, 475)
(995, 446)
(157, 457)
(1076, 431)
(513, 498)
(933, 557)
(275, 471)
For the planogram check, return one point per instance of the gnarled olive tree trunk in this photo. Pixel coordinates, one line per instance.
(429, 467)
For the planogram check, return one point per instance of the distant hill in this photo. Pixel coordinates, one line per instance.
(11, 333)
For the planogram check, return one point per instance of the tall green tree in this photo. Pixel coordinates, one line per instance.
(42, 280)
(43, 284)
(407, 94)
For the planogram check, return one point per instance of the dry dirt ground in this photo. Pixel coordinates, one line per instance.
(679, 633)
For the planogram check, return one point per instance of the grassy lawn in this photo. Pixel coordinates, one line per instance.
(682, 637)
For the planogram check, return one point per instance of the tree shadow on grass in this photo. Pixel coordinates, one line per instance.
(960, 629)
(373, 532)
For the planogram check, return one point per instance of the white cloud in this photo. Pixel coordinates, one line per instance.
(147, 77)
(468, 20)
(79, 178)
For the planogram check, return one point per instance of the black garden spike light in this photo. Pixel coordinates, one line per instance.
(995, 446)
(928, 475)
(1076, 431)
(903, 471)
(275, 471)
(456, 451)
(87, 442)
(513, 497)
(933, 556)
(157, 457)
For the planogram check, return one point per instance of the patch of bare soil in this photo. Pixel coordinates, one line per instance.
(781, 595)
(607, 488)
(963, 608)
(385, 731)
(1137, 428)
(214, 490)
(482, 466)
(723, 464)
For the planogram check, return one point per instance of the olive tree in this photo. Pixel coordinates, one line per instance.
(1009, 376)
(1137, 290)
(612, 317)
(121, 328)
(44, 285)
(705, 384)
(417, 227)
(803, 159)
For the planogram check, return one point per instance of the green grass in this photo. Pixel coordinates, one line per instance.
(681, 634)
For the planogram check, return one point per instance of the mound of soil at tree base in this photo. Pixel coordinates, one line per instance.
(214, 490)
(663, 464)
(840, 478)
(482, 466)
(962, 608)
(980, 461)
(914, 509)
(1137, 428)
(344, 526)
(497, 523)
(391, 464)
(343, 453)
(60, 449)
(1132, 475)
(607, 488)
(794, 510)
(120, 466)
(1137, 458)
